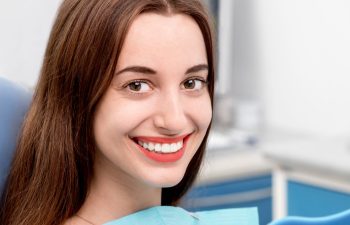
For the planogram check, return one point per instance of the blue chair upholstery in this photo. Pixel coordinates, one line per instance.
(342, 218)
(14, 102)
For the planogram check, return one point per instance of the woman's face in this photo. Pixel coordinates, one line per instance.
(154, 115)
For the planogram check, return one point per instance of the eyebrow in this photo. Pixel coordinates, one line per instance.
(146, 70)
(137, 69)
(197, 68)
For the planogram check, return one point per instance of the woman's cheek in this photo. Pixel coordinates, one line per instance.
(201, 111)
(130, 113)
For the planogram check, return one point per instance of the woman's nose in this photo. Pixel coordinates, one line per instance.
(170, 116)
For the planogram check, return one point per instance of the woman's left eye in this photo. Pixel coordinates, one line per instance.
(194, 84)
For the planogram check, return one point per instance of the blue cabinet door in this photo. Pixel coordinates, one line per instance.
(313, 201)
(244, 192)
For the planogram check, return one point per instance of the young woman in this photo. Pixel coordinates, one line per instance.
(120, 115)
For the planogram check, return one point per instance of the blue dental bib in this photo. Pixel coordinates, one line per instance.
(169, 215)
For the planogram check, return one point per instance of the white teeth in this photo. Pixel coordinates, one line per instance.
(179, 144)
(145, 145)
(158, 148)
(151, 146)
(164, 148)
(173, 147)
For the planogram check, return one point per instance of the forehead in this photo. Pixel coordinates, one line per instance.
(153, 39)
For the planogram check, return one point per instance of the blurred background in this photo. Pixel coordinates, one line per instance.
(281, 137)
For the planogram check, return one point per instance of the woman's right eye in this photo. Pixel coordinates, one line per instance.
(138, 86)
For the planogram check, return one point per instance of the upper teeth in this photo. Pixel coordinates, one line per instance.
(158, 147)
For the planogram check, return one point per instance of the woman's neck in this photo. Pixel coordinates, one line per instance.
(114, 194)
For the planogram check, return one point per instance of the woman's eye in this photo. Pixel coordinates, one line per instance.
(139, 86)
(194, 84)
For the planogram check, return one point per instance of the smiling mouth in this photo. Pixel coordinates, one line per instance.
(162, 149)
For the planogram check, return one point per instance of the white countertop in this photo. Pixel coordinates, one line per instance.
(325, 156)
(233, 164)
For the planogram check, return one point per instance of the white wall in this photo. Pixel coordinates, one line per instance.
(304, 64)
(24, 30)
(298, 51)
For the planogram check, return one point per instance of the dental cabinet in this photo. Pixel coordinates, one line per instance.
(233, 179)
(284, 175)
(311, 176)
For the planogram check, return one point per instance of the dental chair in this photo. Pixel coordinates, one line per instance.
(342, 218)
(14, 102)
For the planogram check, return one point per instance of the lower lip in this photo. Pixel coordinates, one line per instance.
(165, 157)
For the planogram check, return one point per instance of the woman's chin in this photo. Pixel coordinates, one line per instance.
(164, 180)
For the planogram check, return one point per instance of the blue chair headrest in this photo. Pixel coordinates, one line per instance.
(14, 102)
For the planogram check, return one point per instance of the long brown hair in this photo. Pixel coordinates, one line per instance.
(53, 163)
